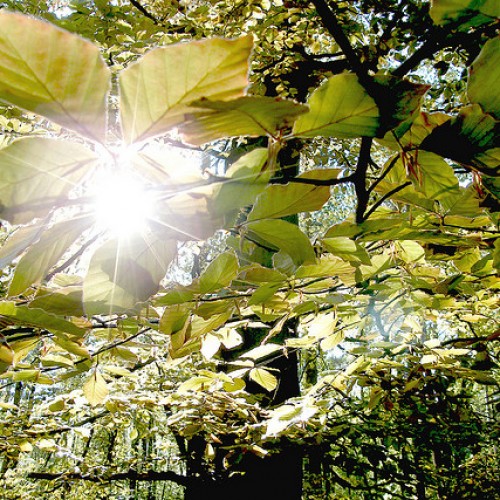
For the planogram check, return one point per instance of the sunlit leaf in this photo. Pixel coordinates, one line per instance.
(210, 345)
(19, 241)
(6, 357)
(219, 273)
(482, 87)
(65, 301)
(157, 89)
(72, 346)
(347, 249)
(341, 107)
(246, 178)
(53, 73)
(252, 116)
(197, 383)
(284, 236)
(39, 173)
(278, 201)
(95, 389)
(264, 378)
(262, 351)
(123, 273)
(38, 319)
(39, 259)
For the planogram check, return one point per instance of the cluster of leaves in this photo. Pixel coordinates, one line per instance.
(421, 248)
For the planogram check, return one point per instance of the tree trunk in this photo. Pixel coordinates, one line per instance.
(278, 475)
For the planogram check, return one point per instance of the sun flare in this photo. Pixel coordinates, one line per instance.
(122, 204)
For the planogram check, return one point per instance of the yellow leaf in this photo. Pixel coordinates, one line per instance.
(95, 389)
(264, 378)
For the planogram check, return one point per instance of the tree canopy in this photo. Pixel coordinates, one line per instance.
(249, 240)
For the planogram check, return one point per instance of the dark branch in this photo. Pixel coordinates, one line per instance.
(142, 9)
(131, 475)
(334, 28)
(359, 178)
(386, 197)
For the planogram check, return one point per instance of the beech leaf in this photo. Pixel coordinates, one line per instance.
(53, 73)
(124, 273)
(157, 90)
(246, 116)
(95, 389)
(37, 174)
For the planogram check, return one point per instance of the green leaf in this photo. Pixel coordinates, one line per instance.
(157, 90)
(433, 176)
(65, 301)
(473, 11)
(38, 319)
(399, 102)
(123, 273)
(71, 346)
(174, 319)
(220, 272)
(246, 178)
(284, 236)
(341, 107)
(37, 174)
(95, 389)
(278, 201)
(19, 241)
(23, 347)
(246, 116)
(41, 256)
(53, 73)
(471, 138)
(422, 126)
(347, 249)
(484, 75)
(264, 378)
(6, 357)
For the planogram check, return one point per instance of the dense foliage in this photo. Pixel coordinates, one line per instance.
(301, 300)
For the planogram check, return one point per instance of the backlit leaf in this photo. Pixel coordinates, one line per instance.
(219, 273)
(341, 107)
(53, 73)
(37, 174)
(156, 90)
(19, 241)
(284, 236)
(95, 389)
(123, 273)
(39, 259)
(38, 318)
(278, 200)
(347, 249)
(484, 74)
(245, 179)
(264, 378)
(246, 116)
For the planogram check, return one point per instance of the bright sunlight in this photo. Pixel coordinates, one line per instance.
(122, 204)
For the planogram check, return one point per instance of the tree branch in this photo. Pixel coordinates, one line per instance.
(334, 28)
(142, 9)
(131, 475)
(386, 197)
(359, 178)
